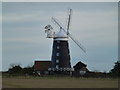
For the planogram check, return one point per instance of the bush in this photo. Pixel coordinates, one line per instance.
(115, 72)
(18, 70)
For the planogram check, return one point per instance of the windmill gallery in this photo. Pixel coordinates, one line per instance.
(60, 59)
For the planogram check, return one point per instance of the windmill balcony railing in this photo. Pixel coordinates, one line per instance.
(60, 69)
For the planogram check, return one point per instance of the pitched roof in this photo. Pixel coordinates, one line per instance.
(79, 65)
(42, 65)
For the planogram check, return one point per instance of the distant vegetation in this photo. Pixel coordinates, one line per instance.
(115, 72)
(17, 70)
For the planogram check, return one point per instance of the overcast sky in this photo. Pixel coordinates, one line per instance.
(0, 36)
(95, 25)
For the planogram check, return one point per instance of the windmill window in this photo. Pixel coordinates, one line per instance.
(57, 54)
(58, 41)
(57, 61)
(58, 47)
(57, 66)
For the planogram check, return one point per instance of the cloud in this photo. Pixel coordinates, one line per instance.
(95, 25)
(24, 17)
(0, 19)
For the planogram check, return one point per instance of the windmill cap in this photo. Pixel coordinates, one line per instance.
(61, 34)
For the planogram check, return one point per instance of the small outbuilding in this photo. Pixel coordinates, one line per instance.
(41, 67)
(80, 69)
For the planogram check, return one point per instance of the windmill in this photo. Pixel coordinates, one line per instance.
(60, 60)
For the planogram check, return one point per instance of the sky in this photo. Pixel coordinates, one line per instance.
(0, 36)
(94, 25)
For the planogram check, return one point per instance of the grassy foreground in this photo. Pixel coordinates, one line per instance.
(58, 82)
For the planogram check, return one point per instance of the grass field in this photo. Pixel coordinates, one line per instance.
(58, 82)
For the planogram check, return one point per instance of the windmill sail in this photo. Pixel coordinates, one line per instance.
(69, 20)
(55, 21)
(80, 45)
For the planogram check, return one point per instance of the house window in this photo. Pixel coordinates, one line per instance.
(82, 72)
(57, 61)
(58, 41)
(57, 66)
(57, 54)
(58, 47)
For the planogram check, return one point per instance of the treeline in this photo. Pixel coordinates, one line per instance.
(16, 70)
(115, 72)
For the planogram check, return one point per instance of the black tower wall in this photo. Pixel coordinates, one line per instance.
(60, 54)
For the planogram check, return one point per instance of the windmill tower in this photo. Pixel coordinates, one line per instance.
(60, 52)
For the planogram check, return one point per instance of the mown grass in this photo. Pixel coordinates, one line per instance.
(58, 82)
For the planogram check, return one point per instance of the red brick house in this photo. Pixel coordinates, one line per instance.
(41, 67)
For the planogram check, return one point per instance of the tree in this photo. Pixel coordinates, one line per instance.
(28, 70)
(116, 70)
(18, 70)
(15, 69)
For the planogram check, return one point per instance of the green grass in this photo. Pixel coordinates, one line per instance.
(58, 82)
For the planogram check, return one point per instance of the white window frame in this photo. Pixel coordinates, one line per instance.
(58, 41)
(58, 47)
(57, 66)
(57, 61)
(57, 54)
